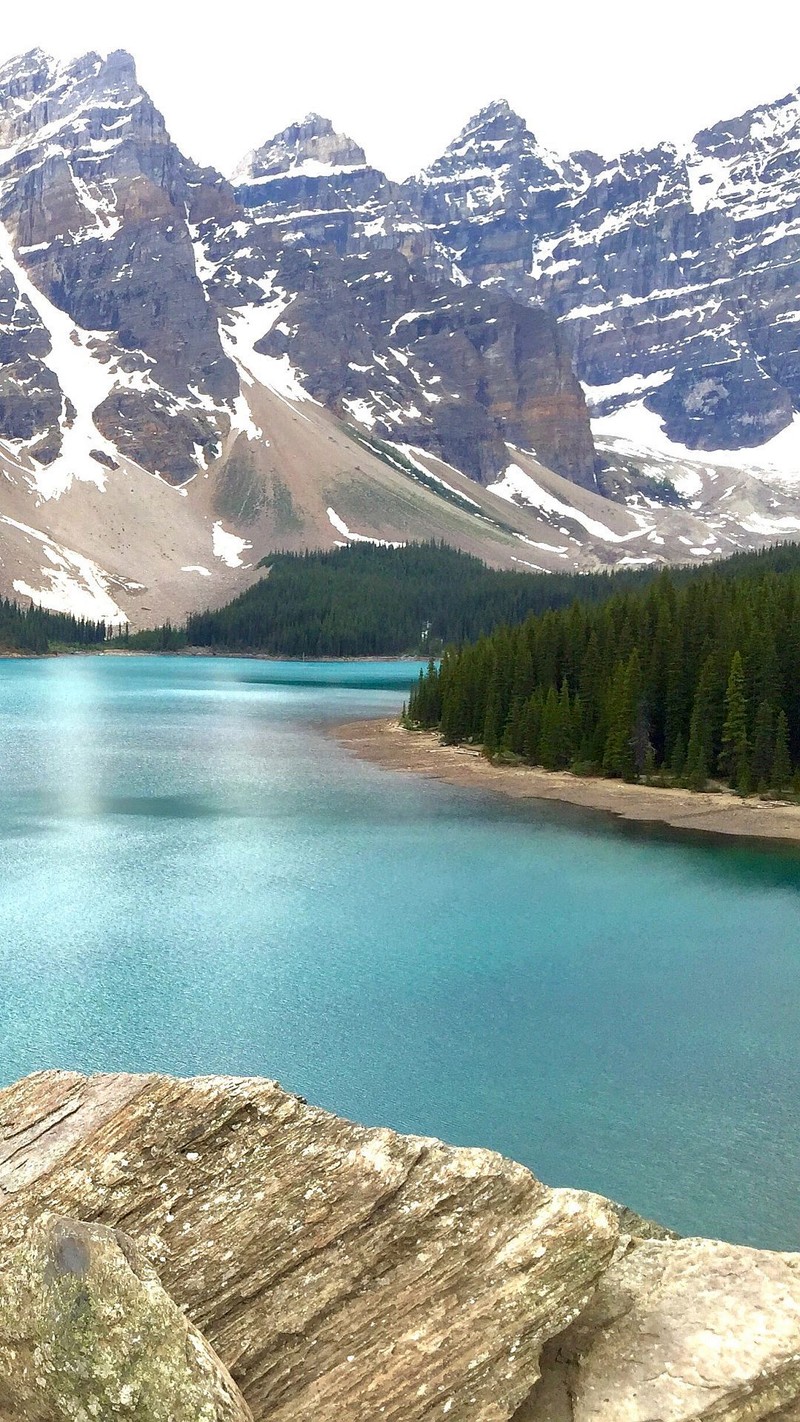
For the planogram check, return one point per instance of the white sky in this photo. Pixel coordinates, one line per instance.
(402, 79)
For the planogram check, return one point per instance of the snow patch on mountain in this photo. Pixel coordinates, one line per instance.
(85, 382)
(243, 328)
(341, 527)
(517, 487)
(639, 433)
(73, 583)
(227, 547)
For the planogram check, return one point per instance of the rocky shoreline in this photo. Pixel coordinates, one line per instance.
(217, 1250)
(385, 742)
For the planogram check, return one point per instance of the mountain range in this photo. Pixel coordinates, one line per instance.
(554, 362)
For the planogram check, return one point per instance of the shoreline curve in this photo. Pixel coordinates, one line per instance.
(386, 743)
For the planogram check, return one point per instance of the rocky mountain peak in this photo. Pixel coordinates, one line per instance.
(492, 137)
(494, 120)
(94, 208)
(46, 102)
(489, 187)
(762, 129)
(494, 167)
(311, 148)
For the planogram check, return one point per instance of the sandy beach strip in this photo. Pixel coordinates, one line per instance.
(386, 743)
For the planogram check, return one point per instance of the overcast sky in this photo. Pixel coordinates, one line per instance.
(403, 78)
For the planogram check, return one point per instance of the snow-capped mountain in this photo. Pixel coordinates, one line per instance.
(194, 371)
(677, 270)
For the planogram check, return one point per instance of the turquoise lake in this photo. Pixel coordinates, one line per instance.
(194, 879)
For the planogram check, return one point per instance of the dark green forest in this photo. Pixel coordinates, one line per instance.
(370, 601)
(691, 679)
(33, 630)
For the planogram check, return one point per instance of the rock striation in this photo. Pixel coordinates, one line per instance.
(314, 185)
(349, 1273)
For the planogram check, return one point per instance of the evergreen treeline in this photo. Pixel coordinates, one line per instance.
(35, 630)
(692, 678)
(370, 601)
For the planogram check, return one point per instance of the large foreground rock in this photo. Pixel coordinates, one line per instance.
(680, 1331)
(345, 1274)
(339, 1272)
(86, 1331)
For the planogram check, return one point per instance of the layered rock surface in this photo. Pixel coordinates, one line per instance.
(350, 1273)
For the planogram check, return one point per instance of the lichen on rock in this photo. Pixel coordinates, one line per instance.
(87, 1332)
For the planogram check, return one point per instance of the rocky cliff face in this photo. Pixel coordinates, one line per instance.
(97, 206)
(314, 186)
(677, 270)
(459, 372)
(348, 1273)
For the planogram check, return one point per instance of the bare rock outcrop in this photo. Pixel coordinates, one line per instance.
(691, 1330)
(338, 1272)
(86, 1331)
(350, 1274)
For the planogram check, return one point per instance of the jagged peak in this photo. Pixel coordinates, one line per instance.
(493, 137)
(117, 63)
(497, 108)
(494, 117)
(35, 58)
(311, 147)
(316, 123)
(764, 125)
(32, 63)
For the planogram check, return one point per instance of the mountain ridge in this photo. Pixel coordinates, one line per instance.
(314, 348)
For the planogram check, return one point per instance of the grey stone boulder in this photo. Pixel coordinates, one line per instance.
(87, 1332)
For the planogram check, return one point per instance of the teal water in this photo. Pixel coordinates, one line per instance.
(194, 879)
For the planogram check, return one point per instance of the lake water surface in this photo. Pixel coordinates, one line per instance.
(194, 879)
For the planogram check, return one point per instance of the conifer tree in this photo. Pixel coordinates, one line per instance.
(533, 721)
(491, 725)
(699, 749)
(549, 735)
(763, 748)
(566, 749)
(620, 754)
(733, 758)
(781, 774)
(678, 759)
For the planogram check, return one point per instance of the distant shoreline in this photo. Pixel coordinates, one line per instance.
(384, 742)
(104, 651)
